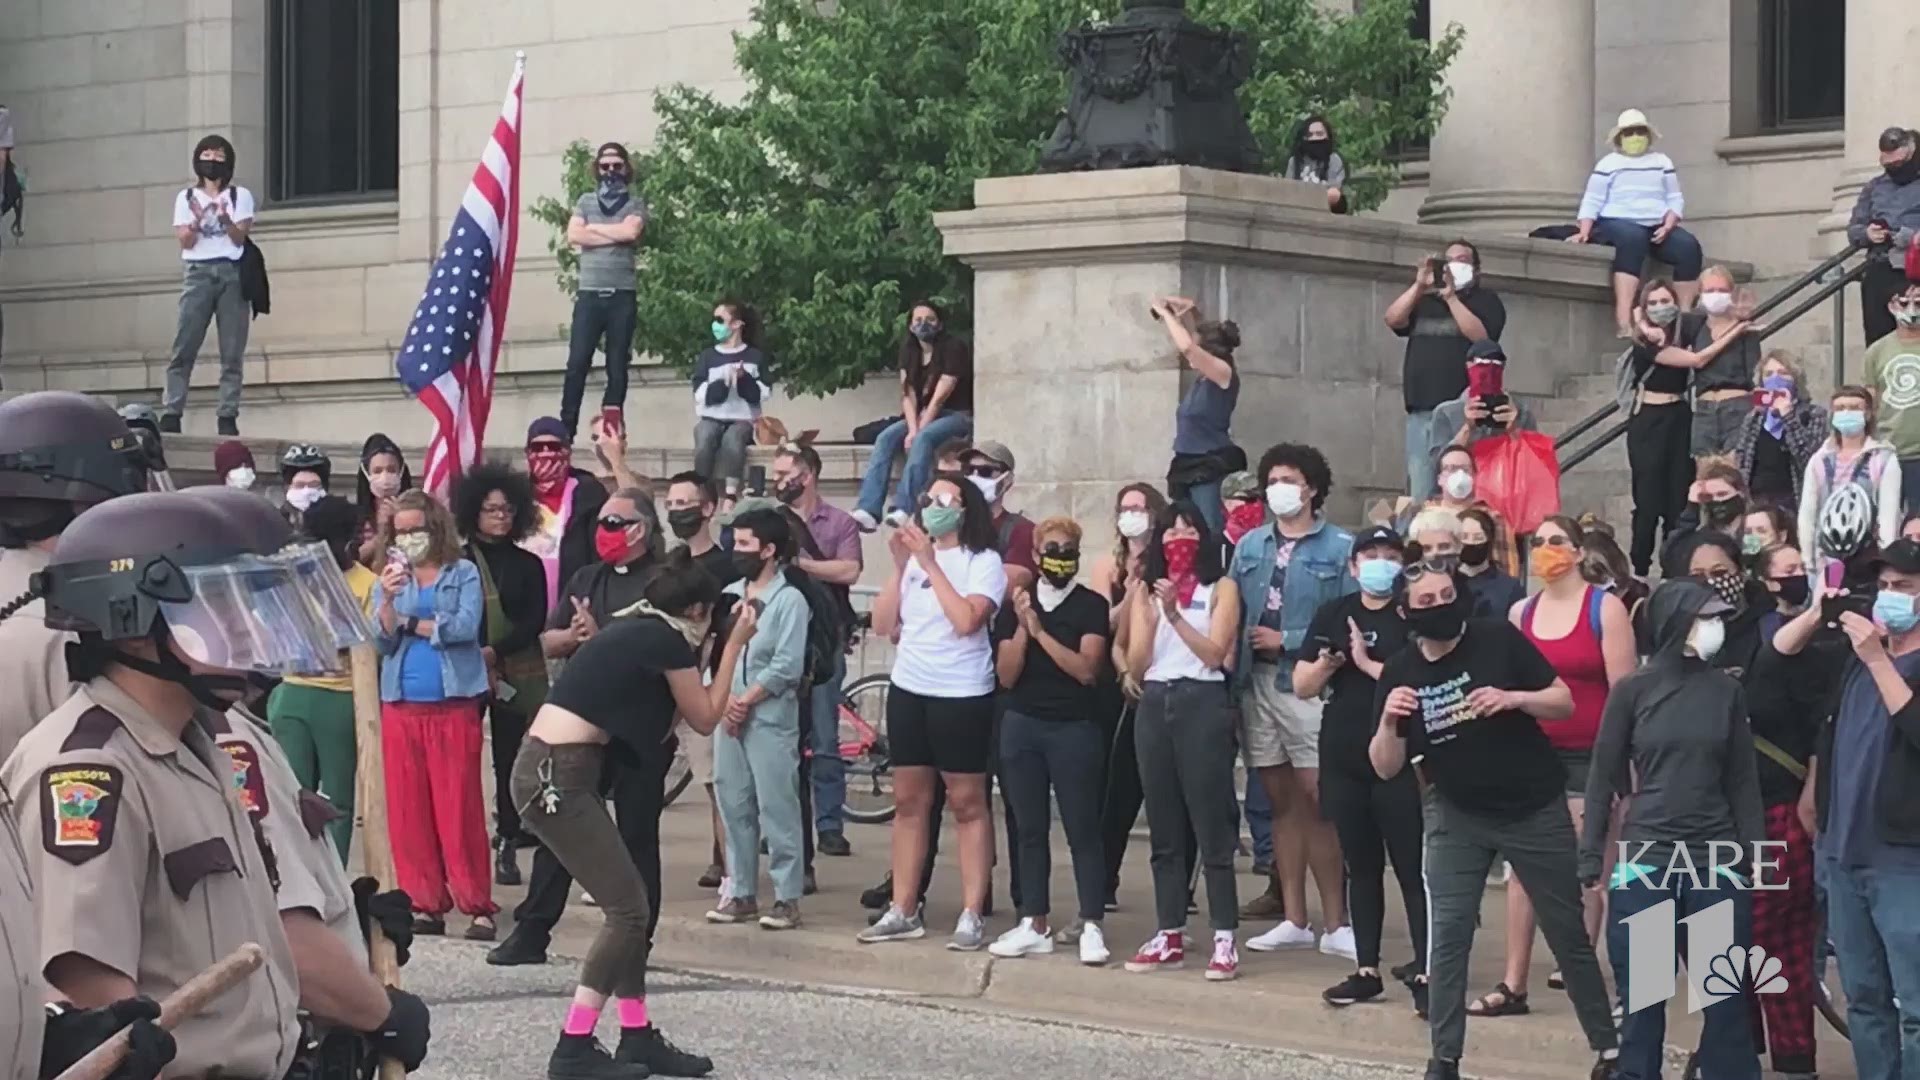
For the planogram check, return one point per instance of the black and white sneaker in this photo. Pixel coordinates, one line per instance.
(648, 1048)
(1418, 986)
(581, 1057)
(1355, 988)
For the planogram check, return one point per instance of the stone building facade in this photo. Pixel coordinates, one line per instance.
(109, 96)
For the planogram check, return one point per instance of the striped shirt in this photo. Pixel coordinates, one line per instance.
(1637, 189)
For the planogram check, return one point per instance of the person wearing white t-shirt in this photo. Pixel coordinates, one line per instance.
(938, 610)
(211, 220)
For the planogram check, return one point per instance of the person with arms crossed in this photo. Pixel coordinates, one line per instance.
(605, 230)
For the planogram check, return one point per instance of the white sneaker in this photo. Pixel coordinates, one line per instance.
(1284, 937)
(1093, 946)
(1021, 940)
(587, 899)
(897, 518)
(969, 933)
(864, 520)
(1339, 942)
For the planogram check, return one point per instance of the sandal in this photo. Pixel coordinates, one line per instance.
(1499, 1001)
(483, 928)
(1556, 981)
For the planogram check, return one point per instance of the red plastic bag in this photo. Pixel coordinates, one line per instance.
(1519, 476)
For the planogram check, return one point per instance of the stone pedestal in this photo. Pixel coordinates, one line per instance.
(1081, 383)
(1883, 37)
(1516, 145)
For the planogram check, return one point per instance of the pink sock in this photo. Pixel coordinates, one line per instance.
(581, 1020)
(633, 1012)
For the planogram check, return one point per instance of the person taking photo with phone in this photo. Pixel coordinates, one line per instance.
(1441, 315)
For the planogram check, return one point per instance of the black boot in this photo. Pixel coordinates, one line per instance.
(581, 1057)
(878, 897)
(1441, 1069)
(833, 842)
(506, 869)
(525, 945)
(229, 425)
(170, 424)
(646, 1046)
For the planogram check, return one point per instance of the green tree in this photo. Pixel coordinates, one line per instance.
(812, 197)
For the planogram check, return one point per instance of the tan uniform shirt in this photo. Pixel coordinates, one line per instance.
(293, 823)
(33, 659)
(143, 859)
(22, 991)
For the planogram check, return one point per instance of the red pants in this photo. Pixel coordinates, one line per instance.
(1783, 924)
(436, 818)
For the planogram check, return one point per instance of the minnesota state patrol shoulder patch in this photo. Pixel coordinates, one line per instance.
(79, 804)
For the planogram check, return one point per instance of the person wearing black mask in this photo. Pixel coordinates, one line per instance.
(1464, 704)
(211, 220)
(1313, 160)
(690, 504)
(1716, 503)
(1886, 216)
(1713, 559)
(605, 230)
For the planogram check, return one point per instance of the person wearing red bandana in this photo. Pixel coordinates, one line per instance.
(1182, 640)
(1245, 509)
(567, 503)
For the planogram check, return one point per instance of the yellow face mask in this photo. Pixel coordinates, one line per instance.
(1635, 145)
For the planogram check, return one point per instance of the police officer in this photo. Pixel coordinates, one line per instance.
(145, 864)
(144, 421)
(38, 1041)
(60, 453)
(358, 1015)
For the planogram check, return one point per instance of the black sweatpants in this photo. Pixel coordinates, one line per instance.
(1659, 442)
(1378, 820)
(1038, 756)
(1120, 805)
(507, 726)
(637, 791)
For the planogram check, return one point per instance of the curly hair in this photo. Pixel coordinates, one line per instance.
(482, 480)
(1307, 460)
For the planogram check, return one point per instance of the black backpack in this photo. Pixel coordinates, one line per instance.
(13, 196)
(824, 640)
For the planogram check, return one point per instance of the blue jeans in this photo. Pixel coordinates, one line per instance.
(919, 471)
(829, 771)
(1420, 464)
(1633, 243)
(1206, 499)
(1873, 919)
(1726, 1037)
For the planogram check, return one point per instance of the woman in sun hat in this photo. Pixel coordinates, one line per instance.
(1633, 203)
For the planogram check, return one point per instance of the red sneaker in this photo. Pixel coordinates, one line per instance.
(1225, 965)
(1162, 952)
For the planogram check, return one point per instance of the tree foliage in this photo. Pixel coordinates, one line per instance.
(812, 196)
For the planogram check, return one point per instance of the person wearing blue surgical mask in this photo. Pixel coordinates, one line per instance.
(1855, 454)
(1349, 640)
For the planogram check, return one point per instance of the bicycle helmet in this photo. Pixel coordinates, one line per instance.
(1846, 522)
(306, 457)
(140, 414)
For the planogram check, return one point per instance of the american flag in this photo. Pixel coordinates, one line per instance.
(453, 343)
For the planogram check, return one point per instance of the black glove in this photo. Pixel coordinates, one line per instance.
(393, 910)
(404, 1035)
(72, 1033)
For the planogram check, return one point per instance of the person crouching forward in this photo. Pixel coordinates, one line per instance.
(1465, 704)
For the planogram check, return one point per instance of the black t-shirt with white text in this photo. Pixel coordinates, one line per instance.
(1044, 691)
(1500, 765)
(618, 681)
(1349, 720)
(1435, 368)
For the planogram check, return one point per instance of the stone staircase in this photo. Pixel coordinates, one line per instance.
(1601, 483)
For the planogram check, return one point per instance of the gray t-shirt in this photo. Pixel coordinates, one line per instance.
(611, 266)
(1861, 729)
(6, 129)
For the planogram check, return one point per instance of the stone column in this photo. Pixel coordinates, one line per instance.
(1883, 37)
(1516, 145)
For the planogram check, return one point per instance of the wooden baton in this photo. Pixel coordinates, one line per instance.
(370, 803)
(187, 1001)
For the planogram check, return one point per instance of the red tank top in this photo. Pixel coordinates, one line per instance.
(1578, 659)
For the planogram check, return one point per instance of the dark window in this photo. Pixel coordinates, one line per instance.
(1803, 49)
(333, 99)
(1419, 27)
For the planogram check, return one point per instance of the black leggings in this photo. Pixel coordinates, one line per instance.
(1378, 819)
(1120, 806)
(1659, 452)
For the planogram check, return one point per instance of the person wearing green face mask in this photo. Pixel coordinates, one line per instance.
(731, 379)
(1633, 203)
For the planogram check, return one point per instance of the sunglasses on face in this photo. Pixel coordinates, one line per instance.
(611, 523)
(611, 168)
(1058, 551)
(1552, 541)
(943, 499)
(986, 471)
(1440, 564)
(546, 448)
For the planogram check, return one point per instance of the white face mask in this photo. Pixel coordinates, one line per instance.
(989, 487)
(303, 498)
(1707, 637)
(1049, 596)
(1133, 524)
(1716, 303)
(385, 485)
(241, 478)
(1461, 273)
(1458, 484)
(1285, 500)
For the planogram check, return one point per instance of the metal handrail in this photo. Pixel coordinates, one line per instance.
(1827, 290)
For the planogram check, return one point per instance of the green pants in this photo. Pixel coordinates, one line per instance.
(315, 728)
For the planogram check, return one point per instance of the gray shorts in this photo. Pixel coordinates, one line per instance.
(1716, 425)
(1578, 764)
(1277, 727)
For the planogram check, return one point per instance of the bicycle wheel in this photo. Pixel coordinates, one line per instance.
(864, 749)
(679, 775)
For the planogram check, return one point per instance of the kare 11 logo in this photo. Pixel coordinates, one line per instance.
(1718, 967)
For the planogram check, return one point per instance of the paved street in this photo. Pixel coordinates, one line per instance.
(495, 1024)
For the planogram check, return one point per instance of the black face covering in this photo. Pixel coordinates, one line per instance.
(1794, 591)
(1476, 554)
(1723, 513)
(1905, 172)
(748, 564)
(1443, 623)
(686, 521)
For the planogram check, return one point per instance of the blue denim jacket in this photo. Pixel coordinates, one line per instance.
(1317, 574)
(457, 604)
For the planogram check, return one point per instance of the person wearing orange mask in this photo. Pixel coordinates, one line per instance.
(1587, 636)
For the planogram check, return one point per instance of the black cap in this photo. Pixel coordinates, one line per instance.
(1486, 349)
(1894, 138)
(1902, 557)
(1380, 536)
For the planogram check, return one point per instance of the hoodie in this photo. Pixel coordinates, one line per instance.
(1682, 727)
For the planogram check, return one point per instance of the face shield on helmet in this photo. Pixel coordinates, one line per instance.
(290, 613)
